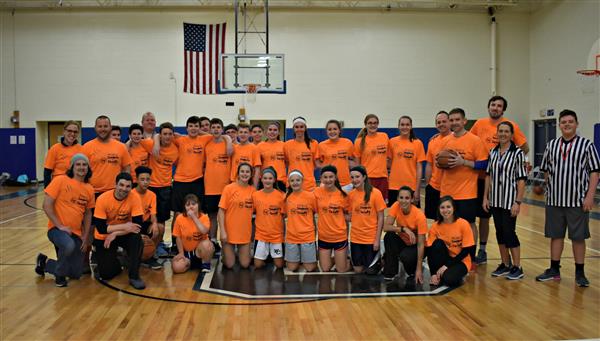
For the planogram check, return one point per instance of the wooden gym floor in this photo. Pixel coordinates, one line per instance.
(32, 308)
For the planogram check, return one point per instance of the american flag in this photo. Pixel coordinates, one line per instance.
(203, 46)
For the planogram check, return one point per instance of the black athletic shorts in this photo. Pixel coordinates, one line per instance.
(163, 203)
(211, 203)
(181, 189)
(467, 209)
(432, 201)
(337, 246)
(362, 254)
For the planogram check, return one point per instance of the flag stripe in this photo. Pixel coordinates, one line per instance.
(185, 76)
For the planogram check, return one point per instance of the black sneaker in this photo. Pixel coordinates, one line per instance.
(40, 264)
(515, 273)
(481, 257)
(60, 281)
(501, 270)
(581, 280)
(374, 269)
(137, 283)
(548, 275)
(217, 249)
(152, 263)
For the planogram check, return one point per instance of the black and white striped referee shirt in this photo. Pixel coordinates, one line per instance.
(569, 164)
(504, 171)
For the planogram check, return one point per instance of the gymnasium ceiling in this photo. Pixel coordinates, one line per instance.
(382, 5)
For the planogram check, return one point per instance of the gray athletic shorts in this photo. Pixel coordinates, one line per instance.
(558, 219)
(301, 253)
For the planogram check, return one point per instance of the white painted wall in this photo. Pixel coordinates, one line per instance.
(564, 38)
(76, 65)
(7, 84)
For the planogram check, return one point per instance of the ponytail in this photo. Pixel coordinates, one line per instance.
(363, 132)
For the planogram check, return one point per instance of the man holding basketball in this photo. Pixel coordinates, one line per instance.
(466, 156)
(486, 129)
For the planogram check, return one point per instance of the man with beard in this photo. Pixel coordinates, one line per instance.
(459, 180)
(118, 218)
(486, 129)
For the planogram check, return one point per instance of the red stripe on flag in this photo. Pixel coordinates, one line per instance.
(185, 77)
(191, 71)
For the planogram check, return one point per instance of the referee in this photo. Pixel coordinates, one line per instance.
(503, 193)
(571, 165)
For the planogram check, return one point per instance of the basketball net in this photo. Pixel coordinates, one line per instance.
(589, 78)
(251, 90)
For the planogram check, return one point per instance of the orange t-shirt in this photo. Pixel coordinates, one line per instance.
(71, 199)
(336, 153)
(456, 236)
(269, 208)
(59, 158)
(190, 165)
(486, 129)
(107, 160)
(330, 208)
(433, 148)
(301, 158)
(148, 203)
(414, 220)
(300, 209)
(363, 228)
(405, 155)
(272, 155)
(236, 200)
(139, 157)
(162, 166)
(244, 153)
(461, 182)
(117, 211)
(218, 167)
(374, 157)
(186, 230)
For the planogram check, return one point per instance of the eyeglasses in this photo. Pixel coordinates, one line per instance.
(72, 131)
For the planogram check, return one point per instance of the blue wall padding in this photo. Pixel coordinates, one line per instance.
(17, 158)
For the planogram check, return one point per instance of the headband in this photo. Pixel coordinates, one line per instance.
(296, 172)
(77, 157)
(270, 170)
(359, 169)
(329, 168)
(299, 119)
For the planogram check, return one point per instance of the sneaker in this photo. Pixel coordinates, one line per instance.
(515, 273)
(217, 249)
(374, 269)
(501, 270)
(548, 275)
(60, 281)
(205, 267)
(152, 263)
(581, 280)
(137, 283)
(481, 257)
(40, 264)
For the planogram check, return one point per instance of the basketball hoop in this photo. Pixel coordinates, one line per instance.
(251, 90)
(589, 78)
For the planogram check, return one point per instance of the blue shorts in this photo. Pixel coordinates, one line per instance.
(195, 261)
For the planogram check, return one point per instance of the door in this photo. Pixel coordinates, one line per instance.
(543, 131)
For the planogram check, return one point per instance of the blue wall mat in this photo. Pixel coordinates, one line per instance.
(18, 159)
(597, 136)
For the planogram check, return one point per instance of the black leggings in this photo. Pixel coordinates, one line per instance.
(108, 264)
(437, 256)
(396, 248)
(506, 226)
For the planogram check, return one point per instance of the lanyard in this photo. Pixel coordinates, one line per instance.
(565, 154)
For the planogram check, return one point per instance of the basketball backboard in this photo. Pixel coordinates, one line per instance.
(266, 70)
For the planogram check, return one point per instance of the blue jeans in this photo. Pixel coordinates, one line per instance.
(69, 261)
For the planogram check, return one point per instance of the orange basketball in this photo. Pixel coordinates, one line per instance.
(538, 189)
(180, 264)
(149, 247)
(443, 156)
